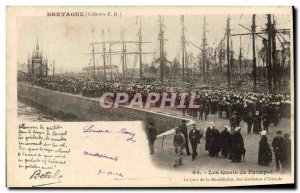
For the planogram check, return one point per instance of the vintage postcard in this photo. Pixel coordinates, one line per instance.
(150, 96)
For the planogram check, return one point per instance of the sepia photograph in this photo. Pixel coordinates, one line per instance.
(211, 91)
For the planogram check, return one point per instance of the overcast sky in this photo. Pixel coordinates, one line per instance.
(66, 40)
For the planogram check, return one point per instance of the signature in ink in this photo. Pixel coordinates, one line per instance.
(93, 129)
(129, 134)
(101, 155)
(39, 174)
(110, 173)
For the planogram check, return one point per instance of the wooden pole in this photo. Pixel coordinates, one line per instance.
(204, 52)
(183, 47)
(253, 50)
(228, 51)
(123, 54)
(53, 68)
(93, 53)
(220, 59)
(240, 56)
(140, 49)
(161, 38)
(104, 55)
(269, 53)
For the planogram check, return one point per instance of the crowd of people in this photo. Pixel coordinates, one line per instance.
(258, 110)
(254, 108)
(229, 144)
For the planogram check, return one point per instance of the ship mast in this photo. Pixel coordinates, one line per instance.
(140, 49)
(124, 64)
(240, 56)
(104, 55)
(123, 52)
(228, 51)
(183, 47)
(110, 63)
(28, 63)
(93, 53)
(253, 33)
(253, 50)
(161, 40)
(53, 68)
(46, 64)
(275, 71)
(204, 43)
(220, 58)
(140, 42)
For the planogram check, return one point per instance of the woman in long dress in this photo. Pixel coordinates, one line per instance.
(237, 146)
(208, 136)
(257, 123)
(264, 153)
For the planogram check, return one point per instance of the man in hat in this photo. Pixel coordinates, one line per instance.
(249, 121)
(274, 114)
(278, 145)
(194, 137)
(237, 145)
(206, 111)
(178, 142)
(265, 122)
(229, 110)
(183, 129)
(234, 121)
(201, 111)
(151, 134)
(186, 105)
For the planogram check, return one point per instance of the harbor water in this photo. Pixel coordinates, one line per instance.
(28, 112)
